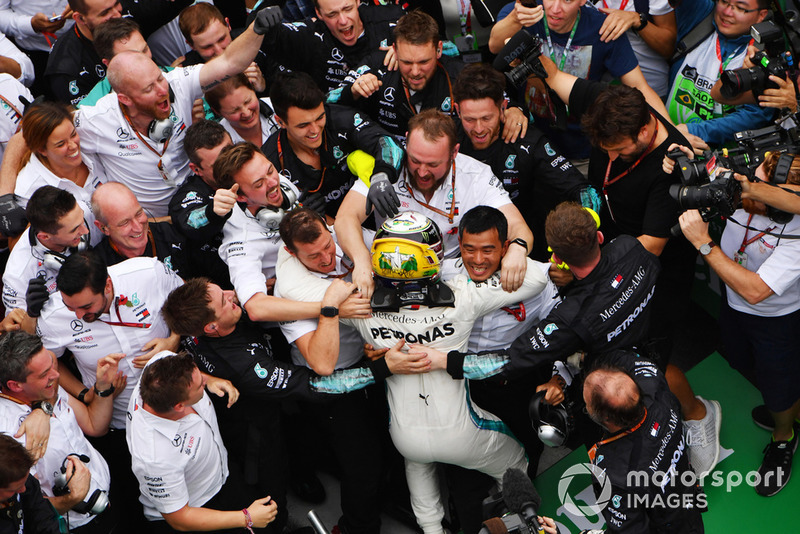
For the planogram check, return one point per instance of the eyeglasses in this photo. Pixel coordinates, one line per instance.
(735, 7)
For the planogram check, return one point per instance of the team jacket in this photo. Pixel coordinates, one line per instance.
(346, 130)
(310, 47)
(245, 358)
(391, 106)
(192, 212)
(607, 310)
(648, 504)
(537, 177)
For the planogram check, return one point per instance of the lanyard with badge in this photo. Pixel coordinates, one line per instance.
(607, 182)
(622, 5)
(166, 174)
(453, 212)
(740, 256)
(566, 46)
(724, 64)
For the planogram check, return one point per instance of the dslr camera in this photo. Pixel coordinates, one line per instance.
(771, 59)
(526, 49)
(705, 186)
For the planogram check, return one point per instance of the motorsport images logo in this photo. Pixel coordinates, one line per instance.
(566, 499)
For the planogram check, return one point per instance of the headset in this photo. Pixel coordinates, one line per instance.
(159, 130)
(553, 424)
(270, 217)
(54, 260)
(94, 505)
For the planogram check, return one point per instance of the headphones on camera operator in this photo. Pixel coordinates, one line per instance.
(270, 217)
(554, 424)
(94, 505)
(54, 260)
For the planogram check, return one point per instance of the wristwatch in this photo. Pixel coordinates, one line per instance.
(105, 393)
(329, 311)
(45, 406)
(643, 20)
(705, 249)
(521, 242)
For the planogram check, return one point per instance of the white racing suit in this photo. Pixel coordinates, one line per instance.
(433, 418)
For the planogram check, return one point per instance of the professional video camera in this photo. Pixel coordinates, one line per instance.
(525, 48)
(513, 510)
(705, 186)
(771, 59)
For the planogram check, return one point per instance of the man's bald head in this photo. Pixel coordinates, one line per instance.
(613, 399)
(110, 194)
(125, 67)
(119, 216)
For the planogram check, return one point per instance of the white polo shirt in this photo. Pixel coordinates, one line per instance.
(141, 285)
(35, 175)
(176, 462)
(66, 437)
(351, 346)
(250, 250)
(497, 329)
(26, 261)
(776, 260)
(475, 185)
(10, 116)
(107, 135)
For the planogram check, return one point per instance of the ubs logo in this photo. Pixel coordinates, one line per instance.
(76, 325)
(388, 94)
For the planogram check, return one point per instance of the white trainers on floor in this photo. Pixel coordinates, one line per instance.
(702, 438)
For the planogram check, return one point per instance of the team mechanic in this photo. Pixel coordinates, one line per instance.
(604, 309)
(337, 40)
(642, 453)
(315, 140)
(433, 417)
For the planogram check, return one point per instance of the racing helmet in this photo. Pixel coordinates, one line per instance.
(407, 248)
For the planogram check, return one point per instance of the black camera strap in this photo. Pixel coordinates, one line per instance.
(691, 40)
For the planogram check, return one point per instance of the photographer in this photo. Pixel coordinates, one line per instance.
(760, 310)
(784, 96)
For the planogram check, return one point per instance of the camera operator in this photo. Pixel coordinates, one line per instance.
(782, 96)
(760, 310)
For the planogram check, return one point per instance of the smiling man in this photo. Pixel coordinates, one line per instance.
(29, 380)
(57, 229)
(315, 140)
(129, 234)
(533, 170)
(690, 104)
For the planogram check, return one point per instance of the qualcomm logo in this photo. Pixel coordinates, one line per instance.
(584, 510)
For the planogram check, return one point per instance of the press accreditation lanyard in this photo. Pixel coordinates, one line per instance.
(621, 6)
(724, 64)
(566, 46)
(607, 182)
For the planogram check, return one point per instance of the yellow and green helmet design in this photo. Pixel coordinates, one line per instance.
(407, 248)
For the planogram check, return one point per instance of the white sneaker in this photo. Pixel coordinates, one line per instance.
(702, 438)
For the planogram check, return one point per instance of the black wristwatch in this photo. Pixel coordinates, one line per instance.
(643, 20)
(329, 311)
(521, 242)
(82, 395)
(45, 406)
(105, 393)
